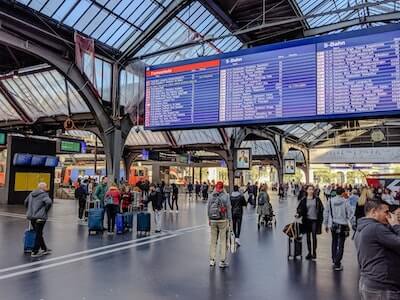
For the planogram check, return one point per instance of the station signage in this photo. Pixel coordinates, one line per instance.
(70, 146)
(340, 76)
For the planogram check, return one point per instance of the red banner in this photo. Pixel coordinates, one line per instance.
(85, 57)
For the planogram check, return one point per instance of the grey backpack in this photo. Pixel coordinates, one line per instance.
(216, 208)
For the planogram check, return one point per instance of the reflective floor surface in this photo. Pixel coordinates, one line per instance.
(171, 265)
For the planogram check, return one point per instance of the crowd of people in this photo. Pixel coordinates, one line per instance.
(372, 213)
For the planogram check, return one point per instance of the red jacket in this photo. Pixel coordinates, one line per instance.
(115, 194)
(126, 200)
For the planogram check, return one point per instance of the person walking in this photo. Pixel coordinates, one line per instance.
(197, 189)
(377, 242)
(112, 201)
(204, 191)
(337, 215)
(167, 196)
(311, 209)
(190, 190)
(175, 193)
(237, 202)
(220, 219)
(156, 199)
(101, 191)
(81, 195)
(262, 204)
(38, 204)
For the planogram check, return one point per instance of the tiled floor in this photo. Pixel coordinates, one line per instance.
(173, 265)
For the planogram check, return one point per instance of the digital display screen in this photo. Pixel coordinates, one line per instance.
(340, 76)
(3, 138)
(70, 146)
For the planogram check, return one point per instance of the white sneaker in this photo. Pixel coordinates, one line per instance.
(223, 264)
(177, 211)
(212, 263)
(237, 241)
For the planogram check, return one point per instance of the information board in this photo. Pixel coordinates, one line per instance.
(3, 138)
(70, 146)
(341, 76)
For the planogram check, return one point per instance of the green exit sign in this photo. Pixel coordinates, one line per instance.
(70, 146)
(3, 138)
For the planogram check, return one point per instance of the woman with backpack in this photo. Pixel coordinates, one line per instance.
(112, 201)
(237, 202)
(262, 204)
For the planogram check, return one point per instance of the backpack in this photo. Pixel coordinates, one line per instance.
(262, 199)
(236, 206)
(108, 200)
(216, 209)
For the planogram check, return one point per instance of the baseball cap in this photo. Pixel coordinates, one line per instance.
(219, 186)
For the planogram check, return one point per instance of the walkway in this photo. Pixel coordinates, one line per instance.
(173, 265)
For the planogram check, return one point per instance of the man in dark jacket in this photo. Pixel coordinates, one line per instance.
(378, 250)
(38, 204)
(156, 199)
(81, 194)
(237, 203)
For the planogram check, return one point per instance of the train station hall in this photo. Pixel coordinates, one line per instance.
(199, 149)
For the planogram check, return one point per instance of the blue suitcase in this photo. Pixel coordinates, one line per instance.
(96, 218)
(128, 218)
(29, 240)
(143, 223)
(119, 223)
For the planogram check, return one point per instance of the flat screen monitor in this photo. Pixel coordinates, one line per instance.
(3, 138)
(70, 146)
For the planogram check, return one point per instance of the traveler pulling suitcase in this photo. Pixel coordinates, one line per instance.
(143, 223)
(29, 239)
(96, 219)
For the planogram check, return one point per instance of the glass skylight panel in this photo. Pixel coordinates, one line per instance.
(7, 112)
(113, 22)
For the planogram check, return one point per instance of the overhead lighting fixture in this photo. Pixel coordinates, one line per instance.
(15, 74)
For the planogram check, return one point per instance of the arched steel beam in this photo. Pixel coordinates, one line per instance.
(66, 67)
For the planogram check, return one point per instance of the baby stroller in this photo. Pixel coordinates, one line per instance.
(266, 216)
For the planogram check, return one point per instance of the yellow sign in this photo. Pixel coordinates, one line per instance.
(26, 182)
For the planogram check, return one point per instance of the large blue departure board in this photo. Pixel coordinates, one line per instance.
(342, 76)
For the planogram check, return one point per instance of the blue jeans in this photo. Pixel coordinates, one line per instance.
(367, 293)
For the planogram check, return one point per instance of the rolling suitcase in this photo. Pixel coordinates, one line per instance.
(128, 218)
(29, 239)
(96, 218)
(119, 223)
(89, 205)
(143, 223)
(295, 243)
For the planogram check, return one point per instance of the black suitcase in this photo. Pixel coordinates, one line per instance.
(295, 243)
(295, 248)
